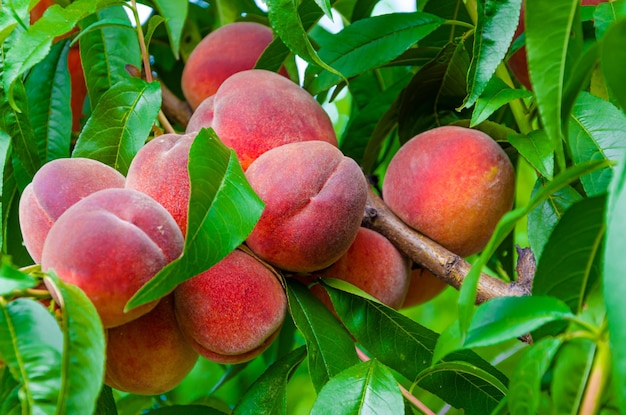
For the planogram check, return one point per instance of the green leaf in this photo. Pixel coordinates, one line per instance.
(285, 20)
(9, 21)
(268, 393)
(606, 14)
(31, 344)
(597, 132)
(537, 150)
(106, 402)
(570, 263)
(5, 168)
(571, 374)
(543, 218)
(153, 23)
(612, 58)
(614, 283)
(175, 14)
(32, 46)
(495, 94)
(467, 297)
(9, 393)
(505, 318)
(525, 387)
(548, 26)
(371, 42)
(120, 123)
(329, 346)
(17, 125)
(82, 367)
(12, 280)
(407, 347)
(466, 368)
(497, 21)
(325, 6)
(365, 388)
(185, 409)
(223, 209)
(48, 90)
(105, 52)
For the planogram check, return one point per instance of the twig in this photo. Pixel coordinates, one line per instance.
(446, 265)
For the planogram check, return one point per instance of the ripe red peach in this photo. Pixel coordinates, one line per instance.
(453, 184)
(423, 287)
(227, 50)
(149, 355)
(256, 110)
(232, 312)
(110, 244)
(159, 170)
(56, 186)
(314, 202)
(373, 264)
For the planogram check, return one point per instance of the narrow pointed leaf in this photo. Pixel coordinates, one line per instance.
(82, 367)
(537, 150)
(497, 21)
(597, 131)
(12, 279)
(31, 344)
(570, 263)
(365, 388)
(8, 21)
(505, 318)
(612, 57)
(525, 387)
(407, 347)
(286, 22)
(571, 375)
(548, 26)
(268, 394)
(329, 346)
(495, 94)
(105, 52)
(48, 91)
(120, 123)
(371, 42)
(175, 14)
(106, 402)
(223, 209)
(614, 284)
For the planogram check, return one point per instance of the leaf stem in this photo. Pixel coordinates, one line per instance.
(597, 380)
(145, 58)
(407, 395)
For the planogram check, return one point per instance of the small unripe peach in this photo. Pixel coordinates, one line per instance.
(453, 184)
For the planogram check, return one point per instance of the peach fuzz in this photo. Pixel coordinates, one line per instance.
(149, 355)
(314, 202)
(423, 287)
(453, 184)
(56, 186)
(375, 266)
(159, 170)
(227, 50)
(109, 244)
(232, 312)
(256, 110)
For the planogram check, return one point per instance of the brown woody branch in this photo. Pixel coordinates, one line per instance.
(446, 265)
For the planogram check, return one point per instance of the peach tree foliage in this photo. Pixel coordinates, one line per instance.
(405, 73)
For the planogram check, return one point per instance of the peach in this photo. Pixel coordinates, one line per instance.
(453, 184)
(374, 264)
(56, 186)
(314, 202)
(232, 312)
(109, 244)
(149, 355)
(256, 110)
(423, 287)
(159, 170)
(227, 50)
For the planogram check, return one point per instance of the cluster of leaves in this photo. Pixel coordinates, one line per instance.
(391, 76)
